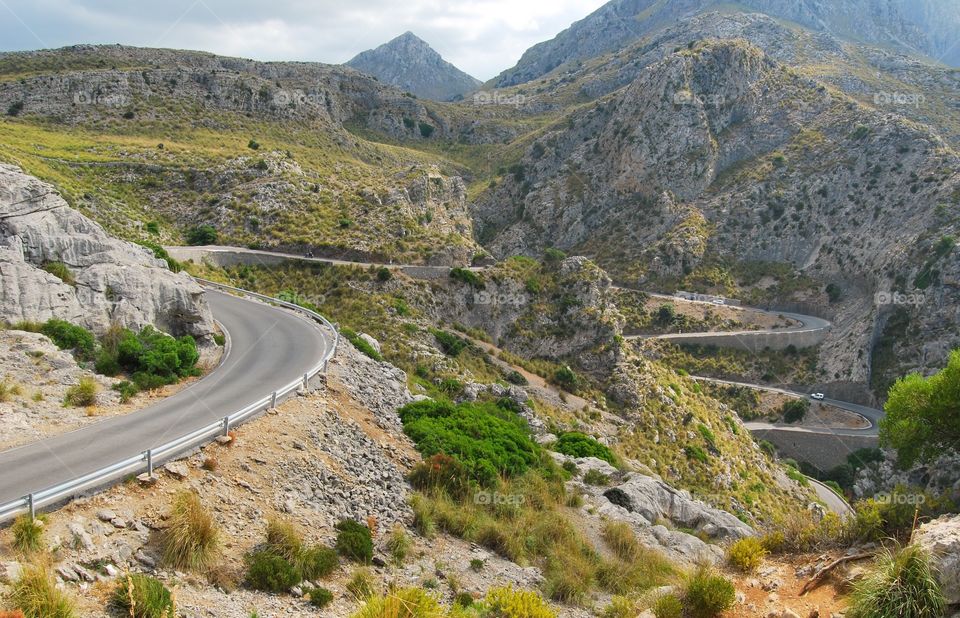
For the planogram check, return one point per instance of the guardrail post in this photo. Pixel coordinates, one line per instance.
(226, 425)
(305, 379)
(325, 366)
(273, 400)
(33, 511)
(148, 454)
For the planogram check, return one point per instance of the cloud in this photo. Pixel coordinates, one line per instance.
(482, 37)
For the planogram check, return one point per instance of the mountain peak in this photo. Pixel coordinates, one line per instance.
(408, 62)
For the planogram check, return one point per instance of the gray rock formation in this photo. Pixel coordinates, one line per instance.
(408, 62)
(653, 500)
(647, 504)
(742, 176)
(941, 539)
(110, 281)
(918, 26)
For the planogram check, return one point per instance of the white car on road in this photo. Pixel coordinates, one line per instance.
(817, 396)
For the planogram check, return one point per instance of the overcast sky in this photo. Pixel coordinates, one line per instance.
(482, 37)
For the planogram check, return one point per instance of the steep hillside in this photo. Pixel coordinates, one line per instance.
(260, 151)
(919, 27)
(889, 81)
(409, 63)
(718, 157)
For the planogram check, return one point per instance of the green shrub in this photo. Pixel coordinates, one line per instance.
(361, 344)
(553, 255)
(286, 541)
(28, 533)
(746, 554)
(318, 597)
(707, 594)
(36, 594)
(153, 358)
(442, 471)
(354, 541)
(68, 336)
(126, 389)
(507, 602)
(192, 538)
(60, 271)
(107, 364)
(384, 274)
(426, 130)
(270, 572)
(82, 394)
(668, 606)
(695, 452)
(160, 253)
(565, 378)
(316, 562)
(595, 477)
(576, 444)
(794, 410)
(450, 343)
(202, 235)
(142, 596)
(515, 377)
(708, 436)
(15, 108)
(488, 440)
(901, 584)
(877, 519)
(465, 275)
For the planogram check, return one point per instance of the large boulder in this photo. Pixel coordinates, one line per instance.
(941, 539)
(654, 500)
(113, 281)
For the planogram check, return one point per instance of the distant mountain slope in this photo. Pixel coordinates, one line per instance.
(151, 142)
(408, 62)
(922, 26)
(718, 164)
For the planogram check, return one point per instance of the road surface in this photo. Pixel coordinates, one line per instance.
(805, 324)
(872, 415)
(269, 347)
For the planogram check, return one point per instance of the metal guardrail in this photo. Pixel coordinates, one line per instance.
(149, 458)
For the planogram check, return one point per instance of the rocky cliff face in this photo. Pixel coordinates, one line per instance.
(107, 280)
(919, 27)
(410, 64)
(877, 76)
(719, 153)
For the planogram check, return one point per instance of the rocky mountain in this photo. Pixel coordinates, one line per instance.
(924, 27)
(325, 190)
(409, 63)
(877, 77)
(97, 280)
(762, 166)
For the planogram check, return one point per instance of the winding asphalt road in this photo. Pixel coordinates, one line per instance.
(872, 415)
(269, 347)
(805, 323)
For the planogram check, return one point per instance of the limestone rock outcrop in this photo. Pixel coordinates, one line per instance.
(106, 280)
(941, 539)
